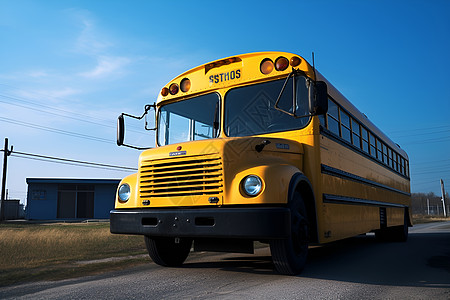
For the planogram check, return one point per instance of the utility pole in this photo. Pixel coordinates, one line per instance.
(443, 197)
(6, 153)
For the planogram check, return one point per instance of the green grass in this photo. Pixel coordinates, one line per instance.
(30, 252)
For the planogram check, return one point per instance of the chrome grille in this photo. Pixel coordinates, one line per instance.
(181, 176)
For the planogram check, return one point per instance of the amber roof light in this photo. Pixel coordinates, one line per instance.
(295, 61)
(281, 63)
(266, 66)
(164, 91)
(173, 89)
(185, 85)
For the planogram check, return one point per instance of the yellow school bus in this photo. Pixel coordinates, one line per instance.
(260, 147)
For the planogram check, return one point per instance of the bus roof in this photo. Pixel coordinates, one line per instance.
(245, 69)
(219, 74)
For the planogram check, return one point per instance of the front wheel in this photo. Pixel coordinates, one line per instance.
(168, 252)
(289, 255)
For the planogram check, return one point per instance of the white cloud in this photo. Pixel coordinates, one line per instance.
(89, 41)
(107, 66)
(51, 94)
(60, 93)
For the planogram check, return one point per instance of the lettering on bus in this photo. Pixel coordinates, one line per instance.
(232, 75)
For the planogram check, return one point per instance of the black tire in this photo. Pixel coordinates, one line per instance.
(394, 233)
(289, 255)
(168, 252)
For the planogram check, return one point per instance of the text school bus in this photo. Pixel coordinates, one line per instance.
(260, 147)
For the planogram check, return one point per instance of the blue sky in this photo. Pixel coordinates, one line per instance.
(69, 68)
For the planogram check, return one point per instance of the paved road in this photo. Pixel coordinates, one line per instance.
(357, 268)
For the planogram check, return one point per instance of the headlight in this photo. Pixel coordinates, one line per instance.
(124, 192)
(252, 185)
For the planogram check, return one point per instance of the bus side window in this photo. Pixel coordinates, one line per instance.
(365, 140)
(356, 135)
(385, 160)
(379, 152)
(390, 163)
(373, 147)
(333, 117)
(345, 126)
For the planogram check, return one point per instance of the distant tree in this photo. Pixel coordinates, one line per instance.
(420, 205)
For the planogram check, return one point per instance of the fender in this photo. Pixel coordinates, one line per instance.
(301, 183)
(132, 181)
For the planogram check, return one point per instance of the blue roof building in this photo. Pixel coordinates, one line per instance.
(52, 199)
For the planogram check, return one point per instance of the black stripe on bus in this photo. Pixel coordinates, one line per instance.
(335, 199)
(345, 175)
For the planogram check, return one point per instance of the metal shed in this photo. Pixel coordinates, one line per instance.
(54, 198)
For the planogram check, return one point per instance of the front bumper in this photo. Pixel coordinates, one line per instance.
(251, 223)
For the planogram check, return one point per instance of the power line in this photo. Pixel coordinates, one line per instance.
(86, 119)
(429, 162)
(417, 129)
(67, 161)
(40, 105)
(34, 103)
(55, 130)
(428, 141)
(52, 113)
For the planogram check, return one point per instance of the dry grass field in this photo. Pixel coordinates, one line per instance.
(419, 219)
(55, 251)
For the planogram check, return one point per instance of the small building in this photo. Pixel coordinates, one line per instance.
(51, 198)
(13, 209)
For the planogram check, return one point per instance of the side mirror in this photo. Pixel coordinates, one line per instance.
(120, 130)
(121, 126)
(318, 98)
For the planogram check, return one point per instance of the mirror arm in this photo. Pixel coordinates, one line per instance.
(294, 97)
(121, 125)
(281, 93)
(137, 148)
(146, 109)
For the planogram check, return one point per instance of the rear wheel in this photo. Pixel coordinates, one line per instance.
(168, 252)
(289, 255)
(394, 233)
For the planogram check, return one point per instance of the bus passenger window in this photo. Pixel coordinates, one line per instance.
(391, 162)
(385, 160)
(333, 117)
(345, 126)
(373, 149)
(365, 140)
(356, 136)
(379, 153)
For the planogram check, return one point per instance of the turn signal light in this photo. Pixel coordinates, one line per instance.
(185, 85)
(281, 63)
(164, 91)
(266, 66)
(173, 89)
(295, 61)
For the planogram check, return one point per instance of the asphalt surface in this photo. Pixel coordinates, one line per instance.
(357, 268)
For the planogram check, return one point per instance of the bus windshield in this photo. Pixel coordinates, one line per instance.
(250, 110)
(190, 120)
